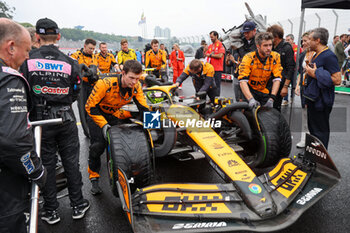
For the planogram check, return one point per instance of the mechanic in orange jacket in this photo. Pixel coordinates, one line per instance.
(105, 60)
(202, 77)
(257, 68)
(104, 107)
(86, 56)
(156, 58)
(177, 59)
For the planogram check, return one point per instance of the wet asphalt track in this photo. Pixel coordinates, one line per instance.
(330, 214)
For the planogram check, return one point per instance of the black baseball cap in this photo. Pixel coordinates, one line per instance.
(248, 26)
(46, 26)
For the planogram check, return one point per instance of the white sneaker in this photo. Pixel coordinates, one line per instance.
(180, 88)
(285, 102)
(301, 144)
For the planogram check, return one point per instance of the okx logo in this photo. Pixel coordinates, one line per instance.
(151, 120)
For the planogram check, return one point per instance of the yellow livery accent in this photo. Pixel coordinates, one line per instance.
(123, 183)
(213, 145)
(179, 197)
(287, 183)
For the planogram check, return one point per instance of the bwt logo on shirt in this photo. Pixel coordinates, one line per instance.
(151, 120)
(48, 66)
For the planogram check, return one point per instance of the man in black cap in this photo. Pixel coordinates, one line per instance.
(54, 81)
(249, 31)
(18, 160)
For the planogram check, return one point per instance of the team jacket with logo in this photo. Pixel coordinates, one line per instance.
(257, 72)
(53, 77)
(16, 140)
(156, 60)
(104, 64)
(108, 96)
(84, 58)
(124, 56)
(200, 83)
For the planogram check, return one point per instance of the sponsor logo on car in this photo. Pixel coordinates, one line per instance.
(197, 225)
(50, 90)
(307, 197)
(254, 188)
(232, 163)
(217, 146)
(316, 152)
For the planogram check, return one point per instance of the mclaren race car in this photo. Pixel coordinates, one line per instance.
(247, 141)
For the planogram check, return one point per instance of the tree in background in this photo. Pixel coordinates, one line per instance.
(6, 11)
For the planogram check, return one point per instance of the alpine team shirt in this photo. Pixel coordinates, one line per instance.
(218, 63)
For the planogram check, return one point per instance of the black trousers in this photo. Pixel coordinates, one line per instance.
(64, 139)
(278, 101)
(13, 224)
(318, 123)
(217, 77)
(160, 74)
(97, 141)
(86, 91)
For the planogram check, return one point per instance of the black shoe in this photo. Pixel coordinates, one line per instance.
(79, 210)
(50, 216)
(95, 189)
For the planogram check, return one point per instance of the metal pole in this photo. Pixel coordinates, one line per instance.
(336, 22)
(34, 196)
(319, 20)
(304, 26)
(291, 26)
(297, 63)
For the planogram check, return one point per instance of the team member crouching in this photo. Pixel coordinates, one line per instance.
(104, 106)
(202, 77)
(257, 68)
(54, 80)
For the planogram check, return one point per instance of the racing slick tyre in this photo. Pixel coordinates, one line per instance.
(130, 151)
(276, 136)
(83, 114)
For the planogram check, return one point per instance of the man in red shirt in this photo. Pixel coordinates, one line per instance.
(215, 56)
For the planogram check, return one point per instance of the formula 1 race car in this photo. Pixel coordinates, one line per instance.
(245, 141)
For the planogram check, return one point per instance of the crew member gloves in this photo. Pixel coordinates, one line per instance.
(253, 103)
(105, 130)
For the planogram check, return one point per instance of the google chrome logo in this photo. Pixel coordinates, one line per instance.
(254, 188)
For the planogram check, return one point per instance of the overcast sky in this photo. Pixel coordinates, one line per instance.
(183, 17)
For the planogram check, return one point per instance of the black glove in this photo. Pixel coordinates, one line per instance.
(41, 180)
(201, 95)
(93, 77)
